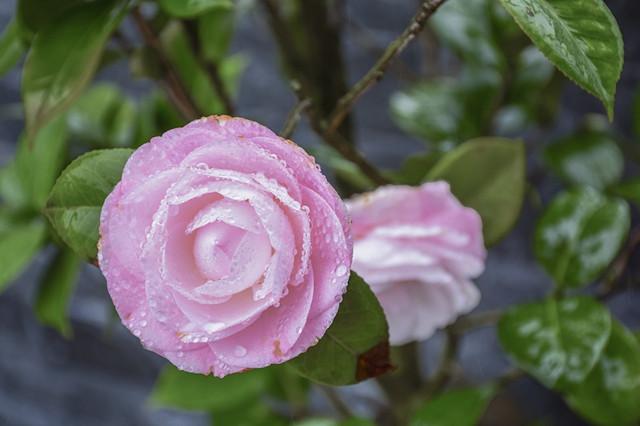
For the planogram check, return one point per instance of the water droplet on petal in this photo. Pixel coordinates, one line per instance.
(341, 270)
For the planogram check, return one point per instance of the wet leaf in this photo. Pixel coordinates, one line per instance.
(76, 199)
(581, 38)
(558, 342)
(586, 158)
(488, 175)
(610, 395)
(355, 347)
(579, 234)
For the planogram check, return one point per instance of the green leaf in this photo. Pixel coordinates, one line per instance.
(178, 389)
(432, 111)
(586, 158)
(251, 413)
(415, 168)
(155, 116)
(558, 342)
(488, 175)
(63, 59)
(34, 15)
(463, 407)
(55, 291)
(611, 393)
(579, 234)
(38, 165)
(18, 245)
(629, 190)
(192, 8)
(103, 117)
(11, 47)
(356, 345)
(581, 38)
(215, 30)
(77, 197)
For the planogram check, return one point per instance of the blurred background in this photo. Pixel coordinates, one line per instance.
(102, 376)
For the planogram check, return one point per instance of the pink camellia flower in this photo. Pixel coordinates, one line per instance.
(417, 248)
(224, 247)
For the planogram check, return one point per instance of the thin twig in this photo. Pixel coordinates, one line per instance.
(346, 102)
(294, 117)
(472, 321)
(611, 283)
(336, 401)
(337, 142)
(172, 83)
(211, 68)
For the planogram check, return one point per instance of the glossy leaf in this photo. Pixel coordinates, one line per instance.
(488, 175)
(356, 345)
(77, 197)
(192, 8)
(11, 47)
(18, 244)
(38, 165)
(103, 117)
(558, 342)
(463, 407)
(586, 158)
(581, 38)
(215, 30)
(55, 291)
(611, 393)
(187, 391)
(63, 59)
(579, 234)
(473, 39)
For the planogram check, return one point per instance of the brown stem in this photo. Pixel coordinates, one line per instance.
(472, 321)
(294, 117)
(171, 82)
(346, 102)
(211, 68)
(617, 269)
(341, 145)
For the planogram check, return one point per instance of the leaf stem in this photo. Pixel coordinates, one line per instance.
(375, 74)
(337, 142)
(294, 117)
(444, 371)
(172, 83)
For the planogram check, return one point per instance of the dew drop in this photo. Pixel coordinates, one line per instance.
(136, 333)
(212, 327)
(341, 270)
(180, 354)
